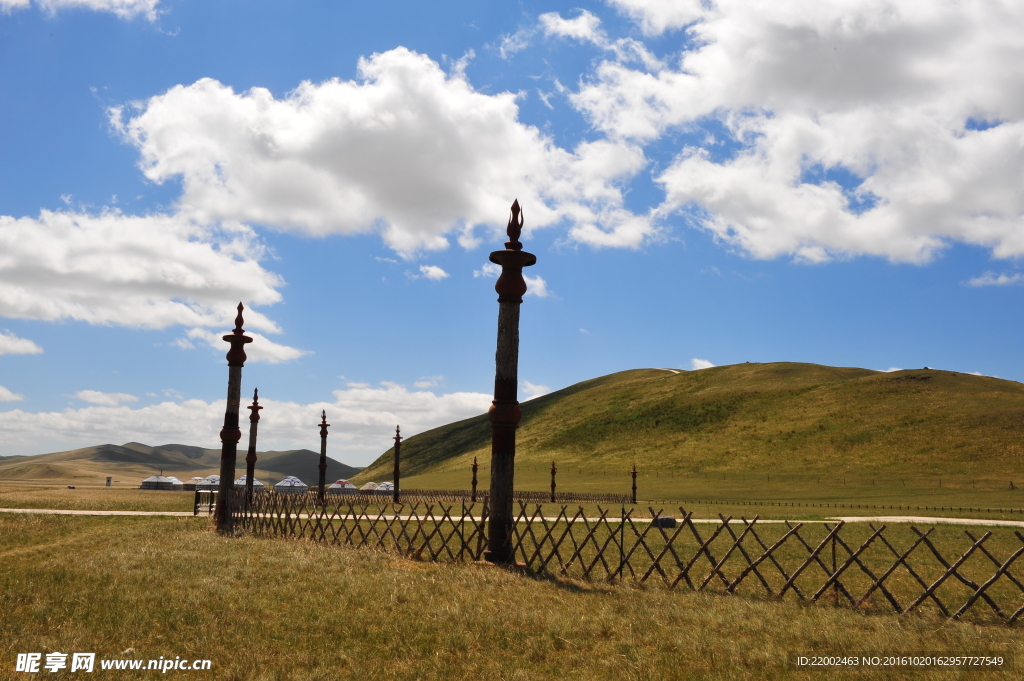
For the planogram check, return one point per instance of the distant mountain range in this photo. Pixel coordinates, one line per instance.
(133, 461)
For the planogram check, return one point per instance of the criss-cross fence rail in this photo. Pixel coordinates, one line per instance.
(902, 568)
(206, 500)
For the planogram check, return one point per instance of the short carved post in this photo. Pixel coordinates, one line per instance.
(553, 471)
(398, 449)
(250, 457)
(634, 483)
(230, 434)
(323, 455)
(473, 495)
(505, 413)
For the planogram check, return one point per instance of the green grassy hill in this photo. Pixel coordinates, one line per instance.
(132, 462)
(745, 421)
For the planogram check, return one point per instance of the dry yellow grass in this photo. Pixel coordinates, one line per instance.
(266, 610)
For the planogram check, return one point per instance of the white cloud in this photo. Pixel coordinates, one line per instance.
(8, 396)
(891, 369)
(658, 16)
(975, 373)
(993, 279)
(126, 9)
(489, 269)
(883, 95)
(428, 382)
(407, 151)
(262, 349)
(696, 364)
(145, 272)
(433, 272)
(587, 28)
(536, 286)
(105, 399)
(11, 344)
(515, 42)
(362, 422)
(532, 390)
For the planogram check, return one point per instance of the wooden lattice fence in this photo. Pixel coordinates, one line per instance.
(901, 568)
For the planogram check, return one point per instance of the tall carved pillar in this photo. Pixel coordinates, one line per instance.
(323, 456)
(504, 413)
(250, 457)
(396, 495)
(230, 434)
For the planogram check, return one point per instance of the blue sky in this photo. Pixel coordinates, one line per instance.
(831, 182)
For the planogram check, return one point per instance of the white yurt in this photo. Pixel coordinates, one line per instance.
(257, 486)
(210, 483)
(342, 487)
(368, 487)
(190, 484)
(158, 482)
(291, 485)
(178, 484)
(386, 487)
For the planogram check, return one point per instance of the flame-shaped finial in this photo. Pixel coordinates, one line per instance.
(255, 395)
(255, 407)
(238, 320)
(515, 228)
(323, 416)
(398, 433)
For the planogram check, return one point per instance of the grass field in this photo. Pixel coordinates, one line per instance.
(780, 429)
(262, 609)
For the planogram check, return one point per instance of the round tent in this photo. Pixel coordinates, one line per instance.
(368, 487)
(191, 483)
(291, 485)
(256, 484)
(342, 487)
(386, 487)
(210, 483)
(158, 482)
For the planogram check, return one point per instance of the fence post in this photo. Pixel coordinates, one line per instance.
(398, 448)
(230, 434)
(473, 495)
(195, 507)
(634, 483)
(323, 454)
(505, 413)
(553, 471)
(250, 457)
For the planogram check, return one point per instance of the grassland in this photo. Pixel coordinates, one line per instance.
(295, 610)
(782, 432)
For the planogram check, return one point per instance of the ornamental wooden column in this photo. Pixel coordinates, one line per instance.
(230, 434)
(505, 413)
(634, 483)
(323, 454)
(553, 471)
(398, 448)
(250, 457)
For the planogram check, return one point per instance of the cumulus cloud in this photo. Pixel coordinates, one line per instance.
(362, 422)
(886, 128)
(105, 399)
(126, 9)
(149, 271)
(262, 349)
(587, 28)
(531, 390)
(8, 396)
(993, 279)
(433, 272)
(536, 286)
(408, 151)
(696, 364)
(13, 345)
(489, 269)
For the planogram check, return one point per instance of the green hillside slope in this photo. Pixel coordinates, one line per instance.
(132, 462)
(746, 419)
